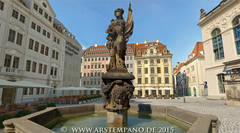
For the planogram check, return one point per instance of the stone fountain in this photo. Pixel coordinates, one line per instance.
(117, 87)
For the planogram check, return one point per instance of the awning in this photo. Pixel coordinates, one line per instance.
(77, 88)
(166, 89)
(23, 84)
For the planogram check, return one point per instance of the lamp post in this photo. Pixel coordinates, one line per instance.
(183, 82)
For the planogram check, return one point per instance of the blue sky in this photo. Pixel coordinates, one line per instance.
(173, 22)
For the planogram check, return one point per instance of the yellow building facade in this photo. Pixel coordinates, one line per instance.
(153, 70)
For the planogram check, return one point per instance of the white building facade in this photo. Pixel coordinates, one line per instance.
(221, 35)
(32, 49)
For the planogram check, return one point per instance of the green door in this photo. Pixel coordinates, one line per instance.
(195, 91)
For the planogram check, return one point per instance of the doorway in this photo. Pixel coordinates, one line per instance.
(194, 91)
(8, 95)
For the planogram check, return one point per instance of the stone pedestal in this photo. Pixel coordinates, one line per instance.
(117, 89)
(232, 88)
(117, 119)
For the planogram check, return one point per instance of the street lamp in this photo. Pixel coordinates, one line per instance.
(183, 82)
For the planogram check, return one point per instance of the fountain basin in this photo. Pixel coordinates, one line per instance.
(39, 121)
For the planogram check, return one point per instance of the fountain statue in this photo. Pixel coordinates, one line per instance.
(117, 87)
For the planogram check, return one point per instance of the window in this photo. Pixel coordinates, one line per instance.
(35, 6)
(41, 11)
(217, 44)
(44, 32)
(146, 70)
(158, 69)
(31, 41)
(38, 91)
(33, 26)
(146, 80)
(139, 62)
(22, 18)
(165, 60)
(152, 70)
(42, 90)
(139, 80)
(51, 72)
(159, 80)
(145, 61)
(28, 65)
(25, 91)
(56, 55)
(48, 35)
(166, 80)
(165, 69)
(34, 65)
(30, 91)
(151, 51)
(139, 70)
(192, 68)
(158, 61)
(1, 5)
(45, 69)
(152, 61)
(193, 79)
(19, 39)
(53, 53)
(55, 72)
(152, 80)
(102, 66)
(236, 25)
(131, 65)
(46, 51)
(50, 19)
(38, 29)
(15, 14)
(42, 49)
(46, 15)
(15, 62)
(12, 35)
(8, 59)
(40, 68)
(36, 46)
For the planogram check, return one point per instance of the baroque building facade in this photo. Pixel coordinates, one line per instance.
(32, 51)
(220, 36)
(194, 71)
(95, 61)
(153, 74)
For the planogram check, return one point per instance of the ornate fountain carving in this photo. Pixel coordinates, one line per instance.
(117, 86)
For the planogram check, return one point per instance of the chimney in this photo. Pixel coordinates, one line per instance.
(145, 41)
(96, 45)
(136, 43)
(157, 41)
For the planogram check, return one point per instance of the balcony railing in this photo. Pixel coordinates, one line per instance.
(10, 71)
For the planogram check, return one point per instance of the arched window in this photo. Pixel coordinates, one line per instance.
(217, 44)
(236, 29)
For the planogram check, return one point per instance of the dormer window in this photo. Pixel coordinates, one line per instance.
(151, 51)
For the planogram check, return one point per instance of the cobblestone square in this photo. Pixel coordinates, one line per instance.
(229, 116)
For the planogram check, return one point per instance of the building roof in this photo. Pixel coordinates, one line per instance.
(143, 47)
(197, 52)
(178, 68)
(101, 50)
(25, 84)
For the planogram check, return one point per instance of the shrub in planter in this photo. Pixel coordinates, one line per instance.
(51, 105)
(23, 113)
(3, 118)
(42, 107)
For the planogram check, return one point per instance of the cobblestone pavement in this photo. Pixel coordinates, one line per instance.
(229, 116)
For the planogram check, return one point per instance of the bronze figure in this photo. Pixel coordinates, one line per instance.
(117, 87)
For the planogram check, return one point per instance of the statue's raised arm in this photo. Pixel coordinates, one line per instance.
(129, 24)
